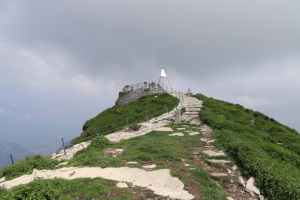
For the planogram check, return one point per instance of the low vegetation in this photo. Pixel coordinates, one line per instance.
(260, 146)
(25, 166)
(85, 188)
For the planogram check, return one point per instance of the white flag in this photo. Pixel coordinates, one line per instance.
(163, 73)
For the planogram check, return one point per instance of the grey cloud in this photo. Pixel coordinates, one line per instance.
(199, 36)
(225, 49)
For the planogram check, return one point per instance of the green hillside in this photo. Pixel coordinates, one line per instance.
(115, 118)
(262, 148)
(258, 145)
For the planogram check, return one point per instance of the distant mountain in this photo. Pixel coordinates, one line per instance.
(16, 150)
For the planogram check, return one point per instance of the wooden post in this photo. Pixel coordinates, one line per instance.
(166, 108)
(147, 116)
(175, 105)
(12, 160)
(128, 127)
(96, 132)
(63, 143)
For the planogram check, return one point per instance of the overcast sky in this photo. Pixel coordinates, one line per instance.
(63, 62)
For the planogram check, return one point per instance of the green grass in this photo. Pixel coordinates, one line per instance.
(115, 118)
(25, 166)
(254, 146)
(208, 188)
(154, 145)
(81, 188)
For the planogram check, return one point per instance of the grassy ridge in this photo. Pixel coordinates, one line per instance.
(251, 139)
(115, 118)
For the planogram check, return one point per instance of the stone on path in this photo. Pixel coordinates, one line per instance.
(149, 166)
(60, 164)
(241, 181)
(218, 174)
(191, 113)
(193, 109)
(194, 133)
(206, 140)
(180, 129)
(176, 134)
(132, 162)
(213, 153)
(218, 161)
(164, 129)
(251, 188)
(229, 198)
(122, 185)
(159, 181)
(2, 179)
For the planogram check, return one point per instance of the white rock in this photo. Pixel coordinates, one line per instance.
(251, 188)
(194, 133)
(149, 166)
(63, 163)
(213, 153)
(218, 174)
(234, 167)
(241, 181)
(164, 129)
(218, 161)
(176, 134)
(122, 185)
(180, 129)
(131, 162)
(229, 198)
(2, 179)
(187, 165)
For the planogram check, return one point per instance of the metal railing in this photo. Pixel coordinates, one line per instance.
(140, 86)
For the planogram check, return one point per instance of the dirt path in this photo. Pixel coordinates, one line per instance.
(158, 181)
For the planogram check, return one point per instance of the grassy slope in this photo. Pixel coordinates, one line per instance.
(115, 118)
(254, 146)
(153, 148)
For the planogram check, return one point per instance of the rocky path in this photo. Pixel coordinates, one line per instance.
(218, 165)
(159, 181)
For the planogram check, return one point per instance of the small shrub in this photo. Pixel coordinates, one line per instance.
(182, 110)
(134, 126)
(86, 125)
(27, 165)
(99, 142)
(88, 133)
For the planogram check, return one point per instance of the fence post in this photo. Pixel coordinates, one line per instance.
(12, 160)
(128, 127)
(63, 143)
(175, 106)
(166, 108)
(147, 116)
(96, 132)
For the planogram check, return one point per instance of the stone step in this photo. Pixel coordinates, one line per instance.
(190, 113)
(214, 153)
(218, 174)
(218, 161)
(193, 109)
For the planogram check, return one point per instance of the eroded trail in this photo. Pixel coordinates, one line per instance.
(159, 181)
